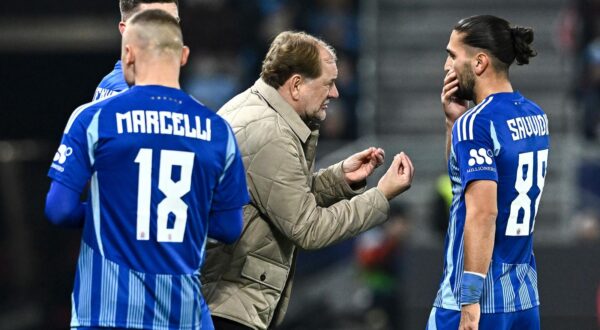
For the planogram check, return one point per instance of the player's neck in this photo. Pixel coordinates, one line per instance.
(491, 86)
(162, 75)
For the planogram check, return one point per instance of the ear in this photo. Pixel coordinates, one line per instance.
(128, 55)
(295, 81)
(121, 27)
(185, 54)
(481, 63)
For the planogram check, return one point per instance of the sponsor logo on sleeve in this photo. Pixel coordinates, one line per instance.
(60, 157)
(480, 157)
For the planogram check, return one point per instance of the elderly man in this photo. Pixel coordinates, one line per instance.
(248, 284)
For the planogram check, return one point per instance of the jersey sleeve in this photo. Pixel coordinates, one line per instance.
(113, 83)
(71, 165)
(474, 148)
(231, 191)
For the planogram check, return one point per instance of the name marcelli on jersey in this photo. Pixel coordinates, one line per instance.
(163, 122)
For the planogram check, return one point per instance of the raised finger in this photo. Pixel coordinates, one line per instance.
(450, 85)
(449, 77)
(365, 153)
(395, 163)
(450, 93)
(408, 166)
(448, 88)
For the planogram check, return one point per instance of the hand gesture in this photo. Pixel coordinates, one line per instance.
(398, 177)
(469, 317)
(453, 106)
(360, 165)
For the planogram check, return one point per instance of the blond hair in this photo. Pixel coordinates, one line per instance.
(158, 30)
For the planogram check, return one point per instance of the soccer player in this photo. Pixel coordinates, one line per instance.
(163, 171)
(114, 82)
(497, 160)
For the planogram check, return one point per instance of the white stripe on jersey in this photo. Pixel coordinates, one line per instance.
(163, 295)
(463, 121)
(230, 154)
(431, 321)
(108, 295)
(459, 124)
(471, 136)
(86, 265)
(187, 301)
(95, 199)
(74, 318)
(80, 109)
(136, 299)
(488, 292)
(92, 139)
(532, 275)
(508, 292)
(522, 270)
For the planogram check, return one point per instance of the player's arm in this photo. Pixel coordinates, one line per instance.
(479, 233)
(63, 206)
(230, 196)
(480, 225)
(226, 226)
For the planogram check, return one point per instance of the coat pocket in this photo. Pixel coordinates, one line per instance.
(265, 272)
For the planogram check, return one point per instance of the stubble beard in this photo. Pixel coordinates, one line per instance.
(466, 85)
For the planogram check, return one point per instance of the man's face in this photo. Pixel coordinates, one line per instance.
(316, 93)
(459, 60)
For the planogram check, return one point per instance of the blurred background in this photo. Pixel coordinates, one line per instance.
(391, 53)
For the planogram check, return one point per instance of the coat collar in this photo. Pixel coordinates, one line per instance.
(272, 96)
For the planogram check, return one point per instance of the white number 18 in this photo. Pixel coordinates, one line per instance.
(172, 203)
(523, 184)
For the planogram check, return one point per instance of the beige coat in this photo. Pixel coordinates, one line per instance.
(250, 281)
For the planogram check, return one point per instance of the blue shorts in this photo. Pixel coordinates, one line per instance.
(528, 319)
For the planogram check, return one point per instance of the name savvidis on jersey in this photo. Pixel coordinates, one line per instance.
(163, 122)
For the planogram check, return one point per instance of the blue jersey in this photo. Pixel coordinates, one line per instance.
(157, 163)
(111, 84)
(505, 139)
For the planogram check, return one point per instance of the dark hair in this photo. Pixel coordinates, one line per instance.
(292, 53)
(130, 7)
(504, 42)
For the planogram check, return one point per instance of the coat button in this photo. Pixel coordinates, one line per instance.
(263, 276)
